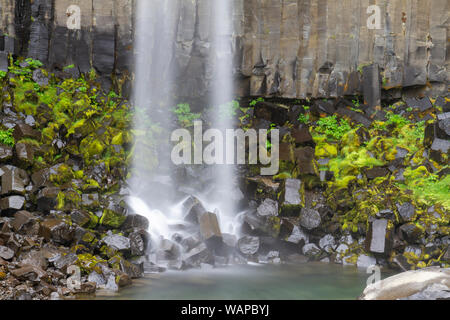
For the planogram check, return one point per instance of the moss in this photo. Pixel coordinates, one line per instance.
(118, 139)
(326, 151)
(282, 176)
(88, 237)
(60, 200)
(89, 263)
(112, 219)
(64, 174)
(427, 187)
(93, 222)
(30, 141)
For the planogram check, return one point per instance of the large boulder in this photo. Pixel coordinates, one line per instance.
(407, 284)
(210, 230)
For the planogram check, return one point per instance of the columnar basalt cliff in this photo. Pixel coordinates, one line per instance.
(283, 48)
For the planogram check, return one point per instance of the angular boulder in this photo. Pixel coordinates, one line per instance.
(306, 161)
(379, 239)
(57, 230)
(12, 203)
(291, 198)
(14, 180)
(46, 198)
(210, 229)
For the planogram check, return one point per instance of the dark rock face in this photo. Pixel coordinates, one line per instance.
(302, 136)
(105, 43)
(419, 104)
(354, 116)
(194, 209)
(376, 172)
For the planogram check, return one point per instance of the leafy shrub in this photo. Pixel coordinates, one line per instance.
(333, 128)
(6, 137)
(184, 114)
(254, 102)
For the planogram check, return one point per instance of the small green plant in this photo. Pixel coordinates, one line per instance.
(255, 102)
(3, 74)
(396, 120)
(356, 103)
(332, 128)
(303, 119)
(6, 137)
(184, 114)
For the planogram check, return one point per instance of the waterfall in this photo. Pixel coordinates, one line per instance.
(152, 183)
(221, 100)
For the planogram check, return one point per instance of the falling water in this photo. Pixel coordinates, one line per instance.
(221, 99)
(153, 91)
(154, 83)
